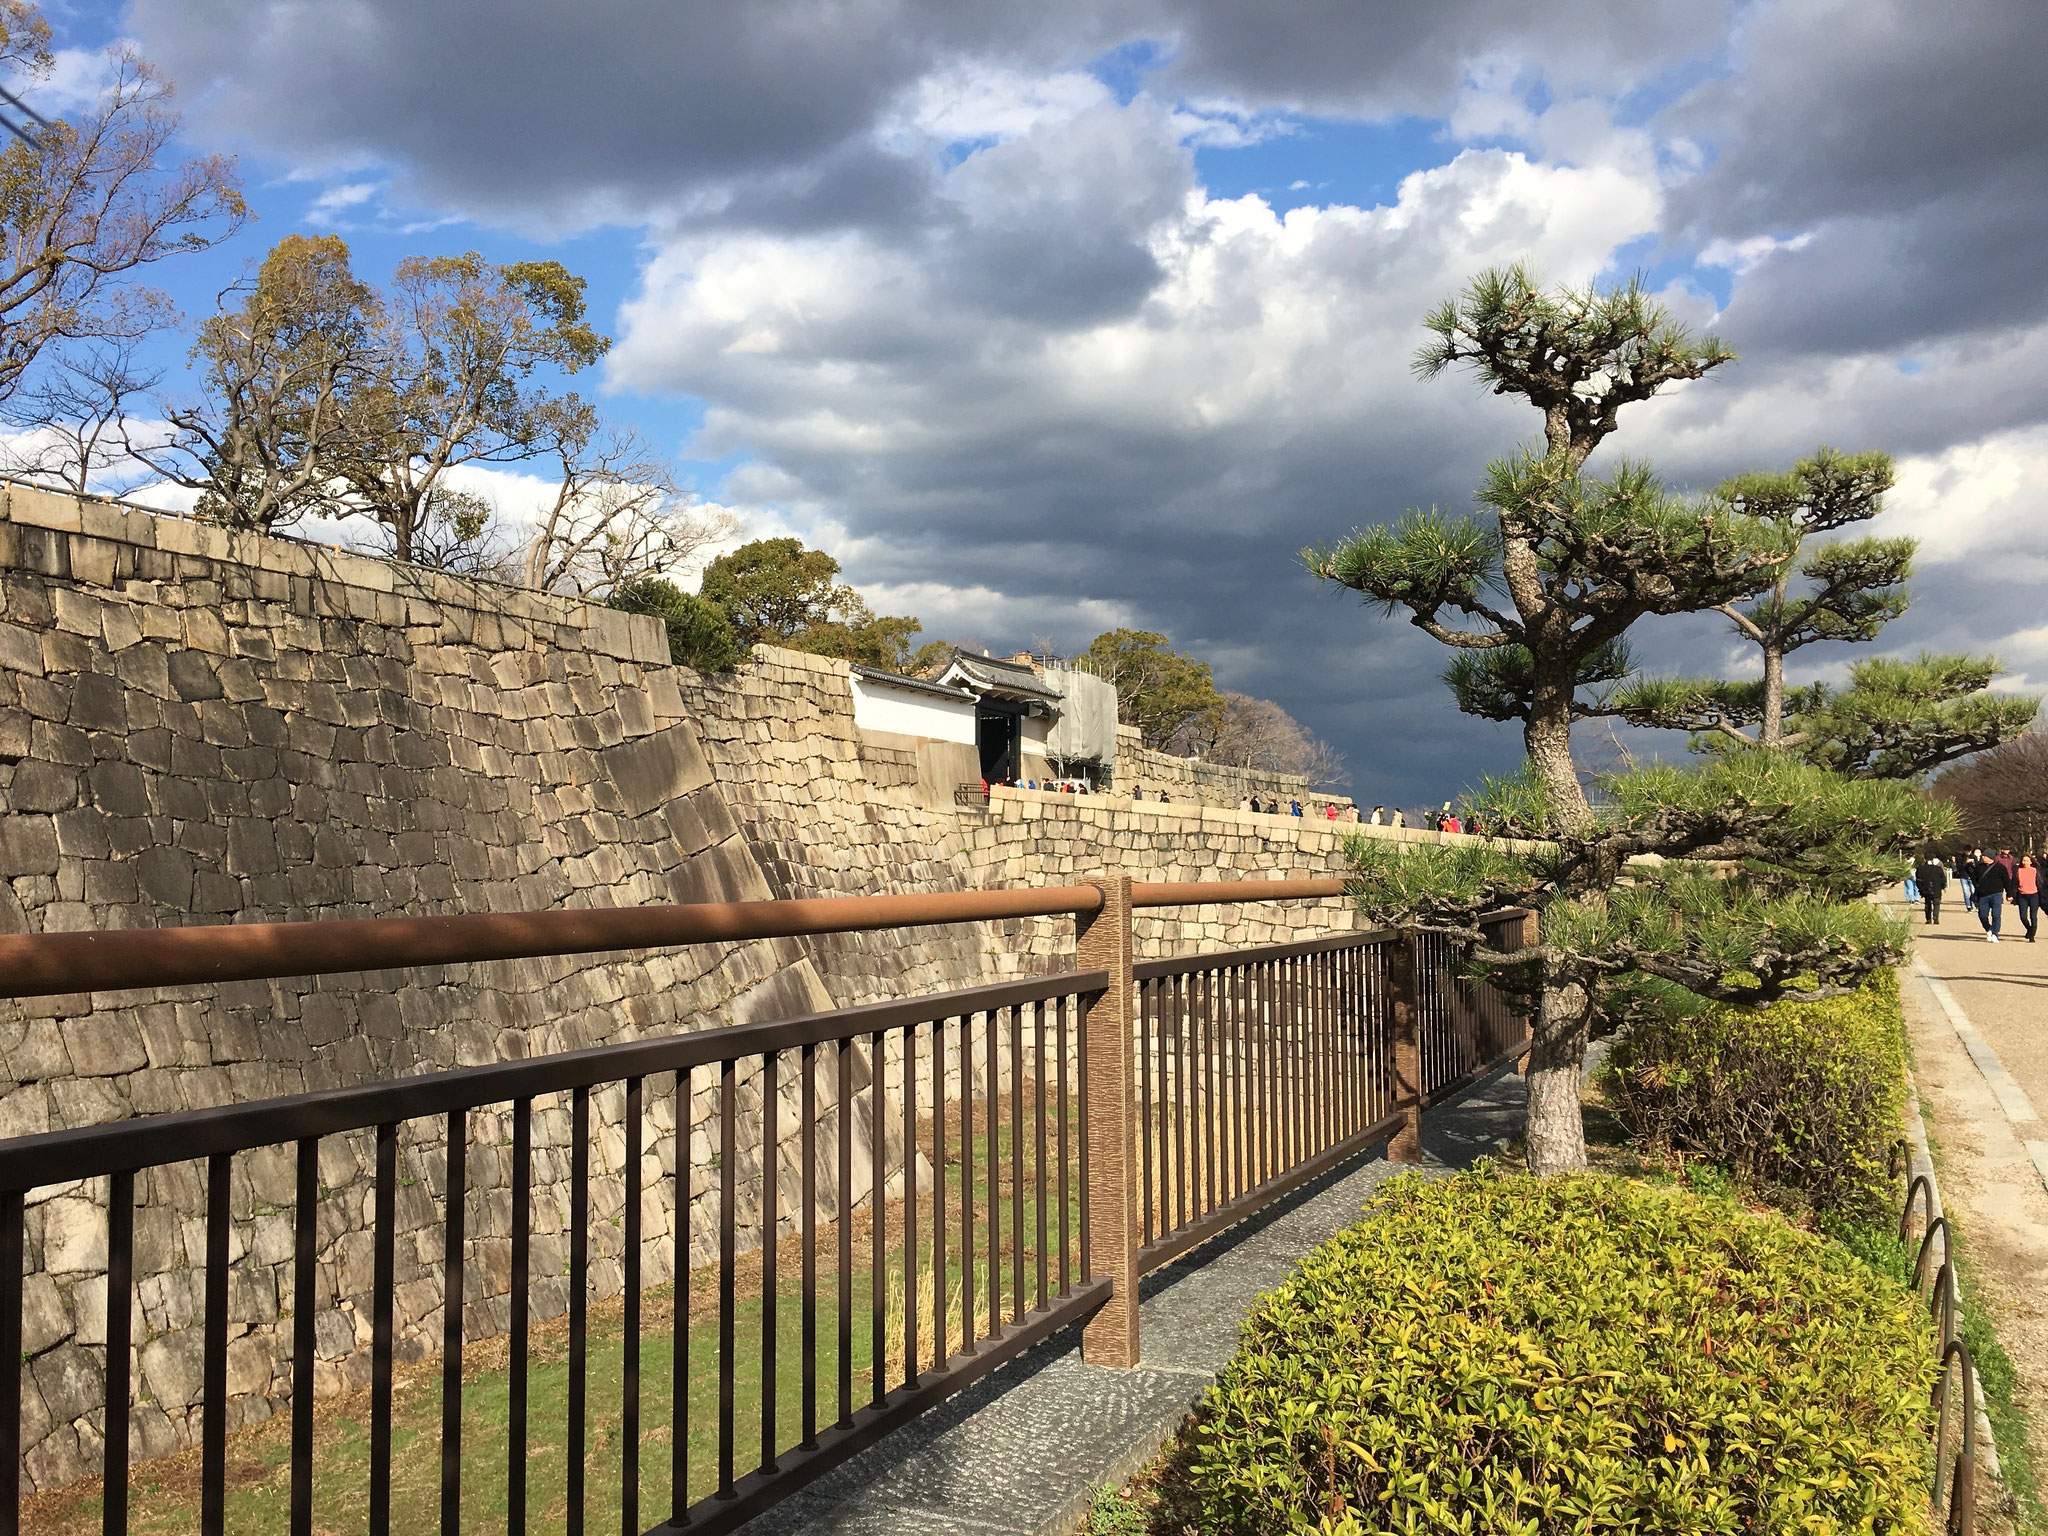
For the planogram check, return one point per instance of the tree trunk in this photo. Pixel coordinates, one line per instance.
(1555, 1131)
(1771, 732)
(1547, 734)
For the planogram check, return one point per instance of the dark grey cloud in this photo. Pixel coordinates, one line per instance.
(974, 314)
(611, 111)
(1909, 141)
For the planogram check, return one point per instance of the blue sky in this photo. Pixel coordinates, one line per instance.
(974, 298)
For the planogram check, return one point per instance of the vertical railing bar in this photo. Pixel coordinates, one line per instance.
(1148, 1025)
(992, 1172)
(807, 1144)
(1297, 1095)
(1038, 1086)
(11, 1214)
(120, 1335)
(629, 1347)
(844, 1205)
(305, 1274)
(455, 1188)
(1016, 1166)
(878, 1139)
(771, 1227)
(214, 1344)
(910, 1191)
(1180, 1100)
(728, 1157)
(1237, 1186)
(1325, 1076)
(679, 1356)
(1211, 1121)
(771, 1246)
(383, 1284)
(577, 1448)
(522, 1264)
(1066, 1194)
(940, 1104)
(967, 1205)
(1081, 1159)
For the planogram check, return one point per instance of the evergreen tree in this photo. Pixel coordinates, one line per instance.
(1897, 718)
(1737, 880)
(1538, 595)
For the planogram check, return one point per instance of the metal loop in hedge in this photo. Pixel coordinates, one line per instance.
(1945, 1301)
(1959, 1490)
(1922, 1186)
(1938, 1225)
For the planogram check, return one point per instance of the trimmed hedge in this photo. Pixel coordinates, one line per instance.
(1494, 1352)
(1796, 1096)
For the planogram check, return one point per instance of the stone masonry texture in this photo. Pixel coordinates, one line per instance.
(199, 727)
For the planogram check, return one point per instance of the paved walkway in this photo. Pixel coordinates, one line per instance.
(1977, 1017)
(1019, 1453)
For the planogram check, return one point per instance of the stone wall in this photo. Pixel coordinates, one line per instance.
(1218, 784)
(198, 727)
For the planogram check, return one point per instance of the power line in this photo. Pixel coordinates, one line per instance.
(16, 128)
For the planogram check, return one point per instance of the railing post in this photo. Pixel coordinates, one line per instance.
(1102, 941)
(1405, 1145)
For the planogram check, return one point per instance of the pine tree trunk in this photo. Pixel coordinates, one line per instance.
(1555, 1131)
(1547, 734)
(1771, 732)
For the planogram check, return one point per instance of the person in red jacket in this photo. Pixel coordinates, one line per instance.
(2027, 880)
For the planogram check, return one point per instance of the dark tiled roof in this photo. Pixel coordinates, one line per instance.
(998, 676)
(912, 684)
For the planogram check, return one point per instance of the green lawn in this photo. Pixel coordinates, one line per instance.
(164, 1495)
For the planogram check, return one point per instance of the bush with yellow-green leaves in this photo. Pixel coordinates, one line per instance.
(1794, 1098)
(1500, 1353)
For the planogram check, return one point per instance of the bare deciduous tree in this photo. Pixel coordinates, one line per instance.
(1259, 734)
(2002, 795)
(90, 201)
(286, 363)
(617, 514)
(76, 417)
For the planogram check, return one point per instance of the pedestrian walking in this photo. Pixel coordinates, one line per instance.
(1378, 817)
(2027, 877)
(1994, 885)
(1932, 880)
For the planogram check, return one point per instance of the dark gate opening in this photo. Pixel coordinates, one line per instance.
(999, 734)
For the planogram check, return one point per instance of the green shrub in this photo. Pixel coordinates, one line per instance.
(1796, 1096)
(699, 633)
(1496, 1352)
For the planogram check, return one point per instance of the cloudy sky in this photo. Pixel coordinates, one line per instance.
(1050, 317)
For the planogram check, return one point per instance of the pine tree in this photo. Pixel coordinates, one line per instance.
(1538, 595)
(1737, 879)
(1897, 718)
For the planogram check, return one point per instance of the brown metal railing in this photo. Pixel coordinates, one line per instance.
(1259, 1069)
(909, 1182)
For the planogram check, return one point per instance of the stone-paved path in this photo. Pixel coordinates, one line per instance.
(1018, 1453)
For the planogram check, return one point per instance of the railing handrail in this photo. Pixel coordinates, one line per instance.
(92, 1151)
(119, 959)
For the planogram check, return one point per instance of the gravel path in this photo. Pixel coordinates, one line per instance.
(1977, 1015)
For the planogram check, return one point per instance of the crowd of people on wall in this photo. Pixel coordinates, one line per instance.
(1985, 882)
(1443, 820)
